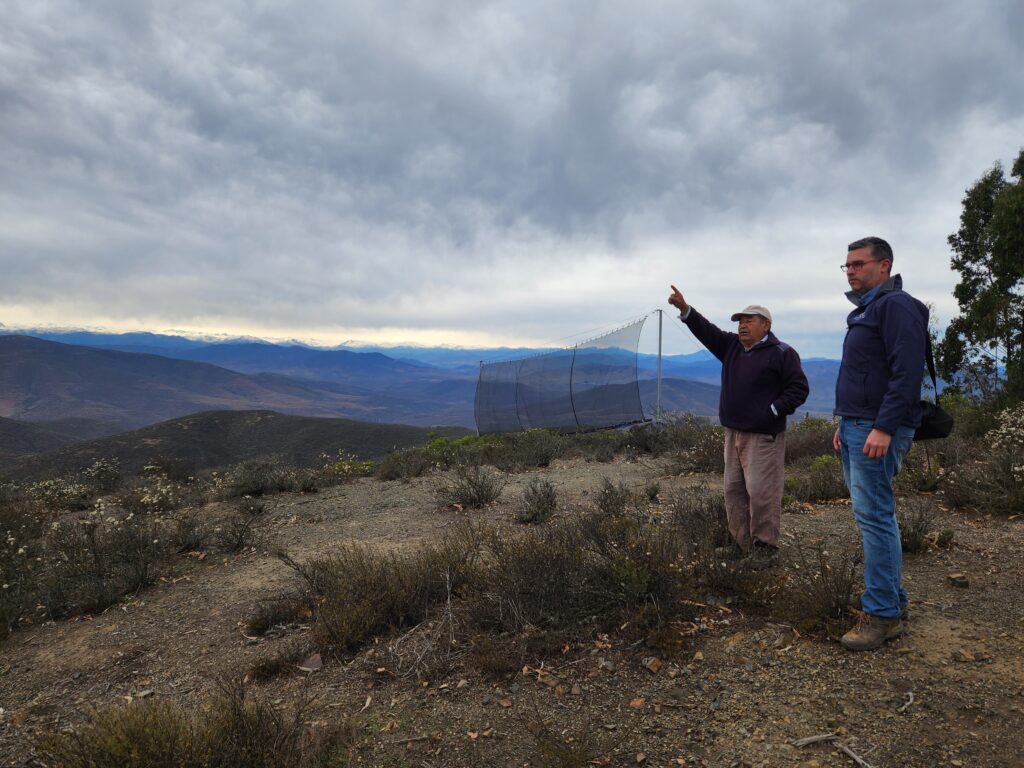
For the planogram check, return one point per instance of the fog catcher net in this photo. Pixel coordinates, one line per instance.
(589, 386)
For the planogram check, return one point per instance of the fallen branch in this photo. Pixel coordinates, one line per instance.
(834, 739)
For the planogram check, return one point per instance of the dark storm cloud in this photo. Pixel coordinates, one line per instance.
(418, 165)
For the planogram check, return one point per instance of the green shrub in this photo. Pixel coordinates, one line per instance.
(538, 503)
(471, 488)
(817, 480)
(808, 438)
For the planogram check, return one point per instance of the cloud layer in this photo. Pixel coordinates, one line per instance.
(469, 172)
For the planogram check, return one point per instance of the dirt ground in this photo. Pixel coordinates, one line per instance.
(739, 692)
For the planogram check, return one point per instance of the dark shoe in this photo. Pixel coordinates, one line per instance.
(763, 556)
(732, 552)
(871, 632)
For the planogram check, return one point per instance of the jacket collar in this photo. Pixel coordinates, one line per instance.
(768, 341)
(894, 283)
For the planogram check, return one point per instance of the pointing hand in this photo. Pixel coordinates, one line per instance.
(676, 300)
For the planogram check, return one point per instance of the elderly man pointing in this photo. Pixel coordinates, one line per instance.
(762, 383)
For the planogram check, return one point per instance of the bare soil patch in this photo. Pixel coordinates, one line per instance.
(729, 689)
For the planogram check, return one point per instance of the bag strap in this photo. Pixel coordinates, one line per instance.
(931, 364)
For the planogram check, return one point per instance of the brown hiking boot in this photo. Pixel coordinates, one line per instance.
(871, 632)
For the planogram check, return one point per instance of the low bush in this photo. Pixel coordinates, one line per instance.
(707, 453)
(817, 480)
(257, 477)
(994, 480)
(60, 494)
(470, 488)
(404, 465)
(916, 518)
(363, 593)
(820, 588)
(808, 438)
(611, 498)
(233, 729)
(538, 502)
(103, 475)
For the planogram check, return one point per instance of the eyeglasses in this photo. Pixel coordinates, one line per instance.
(856, 266)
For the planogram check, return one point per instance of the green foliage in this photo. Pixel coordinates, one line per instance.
(809, 437)
(816, 480)
(989, 331)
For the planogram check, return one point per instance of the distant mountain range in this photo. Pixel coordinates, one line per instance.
(74, 386)
(219, 438)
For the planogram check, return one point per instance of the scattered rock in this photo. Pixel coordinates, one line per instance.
(653, 664)
(958, 580)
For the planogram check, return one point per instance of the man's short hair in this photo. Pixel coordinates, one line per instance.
(879, 248)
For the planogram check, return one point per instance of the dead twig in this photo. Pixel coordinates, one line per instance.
(840, 745)
(908, 702)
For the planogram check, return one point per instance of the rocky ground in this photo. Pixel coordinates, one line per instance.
(736, 690)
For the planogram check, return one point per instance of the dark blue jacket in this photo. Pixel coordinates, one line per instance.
(768, 375)
(883, 359)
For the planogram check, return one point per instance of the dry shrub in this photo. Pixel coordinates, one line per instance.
(22, 524)
(240, 528)
(88, 564)
(103, 475)
(820, 588)
(612, 499)
(404, 465)
(233, 729)
(570, 747)
(809, 437)
(538, 503)
(258, 477)
(471, 487)
(279, 610)
(817, 480)
(920, 469)
(526, 450)
(362, 593)
(916, 518)
(707, 454)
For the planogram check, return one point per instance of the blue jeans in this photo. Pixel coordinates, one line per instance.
(874, 508)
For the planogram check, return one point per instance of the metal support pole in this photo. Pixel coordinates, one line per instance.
(657, 406)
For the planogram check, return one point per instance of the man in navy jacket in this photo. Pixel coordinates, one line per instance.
(762, 383)
(878, 396)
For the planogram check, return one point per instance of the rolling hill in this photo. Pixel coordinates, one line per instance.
(43, 380)
(217, 438)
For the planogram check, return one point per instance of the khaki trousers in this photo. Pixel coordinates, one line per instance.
(753, 486)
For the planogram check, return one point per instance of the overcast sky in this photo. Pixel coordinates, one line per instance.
(478, 173)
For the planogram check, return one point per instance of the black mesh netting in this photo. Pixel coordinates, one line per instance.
(590, 386)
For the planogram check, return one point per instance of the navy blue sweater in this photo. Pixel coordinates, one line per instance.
(752, 382)
(883, 360)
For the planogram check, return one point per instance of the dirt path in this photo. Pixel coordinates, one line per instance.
(738, 693)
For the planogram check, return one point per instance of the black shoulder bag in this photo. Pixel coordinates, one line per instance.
(935, 422)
